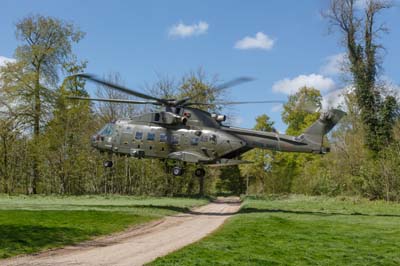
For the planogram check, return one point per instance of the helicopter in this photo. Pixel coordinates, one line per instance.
(182, 133)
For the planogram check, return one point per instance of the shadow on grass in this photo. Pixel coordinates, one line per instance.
(149, 206)
(185, 210)
(16, 239)
(255, 210)
(176, 209)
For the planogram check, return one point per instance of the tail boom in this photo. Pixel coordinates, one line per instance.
(309, 142)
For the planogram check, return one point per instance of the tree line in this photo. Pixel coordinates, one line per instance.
(44, 136)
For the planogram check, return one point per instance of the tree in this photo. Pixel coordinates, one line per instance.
(200, 88)
(360, 31)
(231, 181)
(9, 131)
(259, 169)
(46, 48)
(296, 112)
(67, 136)
(109, 111)
(288, 167)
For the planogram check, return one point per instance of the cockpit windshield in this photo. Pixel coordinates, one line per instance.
(107, 130)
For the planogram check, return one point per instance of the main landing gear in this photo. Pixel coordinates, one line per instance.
(178, 171)
(108, 164)
(200, 172)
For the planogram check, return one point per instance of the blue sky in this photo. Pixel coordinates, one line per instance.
(282, 44)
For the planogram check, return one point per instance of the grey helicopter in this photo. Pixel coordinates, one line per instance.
(182, 133)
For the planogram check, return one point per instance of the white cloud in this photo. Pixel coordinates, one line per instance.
(4, 60)
(334, 64)
(182, 30)
(260, 41)
(334, 99)
(291, 86)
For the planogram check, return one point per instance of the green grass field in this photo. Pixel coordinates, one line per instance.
(34, 223)
(300, 230)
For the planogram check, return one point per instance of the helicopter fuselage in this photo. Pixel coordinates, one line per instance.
(191, 135)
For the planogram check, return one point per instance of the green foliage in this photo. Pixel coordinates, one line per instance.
(302, 231)
(201, 89)
(258, 172)
(287, 168)
(299, 111)
(231, 181)
(351, 168)
(46, 44)
(29, 83)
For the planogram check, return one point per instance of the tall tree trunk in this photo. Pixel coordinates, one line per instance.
(5, 165)
(36, 133)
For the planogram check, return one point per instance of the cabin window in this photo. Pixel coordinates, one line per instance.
(139, 135)
(128, 130)
(151, 136)
(157, 117)
(204, 138)
(163, 137)
(194, 141)
(175, 140)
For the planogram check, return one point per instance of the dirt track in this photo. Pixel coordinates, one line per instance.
(139, 245)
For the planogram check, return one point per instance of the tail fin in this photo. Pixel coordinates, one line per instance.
(315, 133)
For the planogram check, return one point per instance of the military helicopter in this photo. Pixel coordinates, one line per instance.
(185, 134)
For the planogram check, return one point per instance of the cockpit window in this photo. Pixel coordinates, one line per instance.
(107, 130)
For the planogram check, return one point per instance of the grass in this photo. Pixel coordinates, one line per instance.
(300, 230)
(34, 223)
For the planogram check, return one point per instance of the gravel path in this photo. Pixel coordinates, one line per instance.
(142, 244)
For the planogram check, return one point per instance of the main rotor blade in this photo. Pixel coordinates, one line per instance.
(234, 103)
(225, 85)
(233, 82)
(113, 100)
(118, 87)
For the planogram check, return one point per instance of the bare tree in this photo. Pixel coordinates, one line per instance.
(112, 111)
(360, 32)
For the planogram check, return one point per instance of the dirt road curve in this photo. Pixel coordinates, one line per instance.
(139, 245)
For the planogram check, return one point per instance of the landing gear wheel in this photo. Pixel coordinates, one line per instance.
(177, 171)
(200, 172)
(108, 164)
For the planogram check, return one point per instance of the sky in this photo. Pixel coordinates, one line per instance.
(283, 45)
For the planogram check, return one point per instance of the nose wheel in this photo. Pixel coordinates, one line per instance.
(177, 171)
